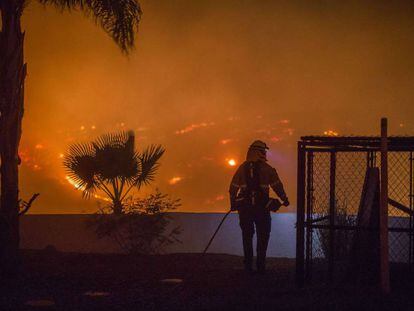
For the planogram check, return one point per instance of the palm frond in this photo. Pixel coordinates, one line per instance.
(115, 156)
(118, 18)
(149, 164)
(80, 166)
(111, 139)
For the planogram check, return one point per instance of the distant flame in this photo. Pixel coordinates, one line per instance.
(73, 183)
(174, 180)
(225, 141)
(330, 133)
(192, 127)
(231, 162)
(79, 187)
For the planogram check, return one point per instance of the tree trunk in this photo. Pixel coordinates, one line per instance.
(12, 75)
(118, 207)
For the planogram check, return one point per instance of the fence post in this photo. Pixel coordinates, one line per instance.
(332, 203)
(384, 256)
(300, 217)
(308, 199)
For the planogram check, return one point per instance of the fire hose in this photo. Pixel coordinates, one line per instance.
(215, 232)
(273, 205)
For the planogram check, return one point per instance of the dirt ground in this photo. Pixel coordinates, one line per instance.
(212, 282)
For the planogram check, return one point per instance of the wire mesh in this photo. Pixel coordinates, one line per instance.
(347, 173)
(399, 190)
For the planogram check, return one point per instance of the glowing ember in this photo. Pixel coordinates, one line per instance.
(289, 131)
(78, 187)
(73, 183)
(231, 162)
(174, 180)
(330, 133)
(220, 197)
(192, 127)
(82, 128)
(225, 141)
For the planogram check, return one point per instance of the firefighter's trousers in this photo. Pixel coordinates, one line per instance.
(250, 218)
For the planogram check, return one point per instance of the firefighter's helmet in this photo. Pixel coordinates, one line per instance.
(259, 145)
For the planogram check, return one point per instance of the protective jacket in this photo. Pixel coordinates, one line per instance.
(267, 176)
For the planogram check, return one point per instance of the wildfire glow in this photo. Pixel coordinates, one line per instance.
(174, 180)
(192, 127)
(78, 187)
(231, 162)
(225, 141)
(73, 183)
(330, 133)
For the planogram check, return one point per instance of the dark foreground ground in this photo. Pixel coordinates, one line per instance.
(212, 282)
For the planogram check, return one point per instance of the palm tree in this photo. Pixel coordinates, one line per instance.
(111, 165)
(118, 18)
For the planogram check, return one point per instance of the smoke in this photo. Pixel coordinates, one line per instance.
(223, 71)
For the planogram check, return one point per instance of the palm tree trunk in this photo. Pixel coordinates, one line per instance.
(118, 207)
(12, 75)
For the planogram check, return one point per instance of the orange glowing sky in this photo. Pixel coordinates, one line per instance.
(207, 78)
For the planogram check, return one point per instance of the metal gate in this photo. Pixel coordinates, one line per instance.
(331, 174)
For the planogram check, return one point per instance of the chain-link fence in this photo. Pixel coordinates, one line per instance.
(331, 176)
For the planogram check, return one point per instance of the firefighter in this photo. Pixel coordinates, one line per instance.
(249, 195)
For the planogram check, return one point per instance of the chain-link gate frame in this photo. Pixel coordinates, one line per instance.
(330, 179)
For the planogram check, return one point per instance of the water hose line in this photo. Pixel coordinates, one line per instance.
(217, 230)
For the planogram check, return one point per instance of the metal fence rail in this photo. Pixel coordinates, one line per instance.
(331, 174)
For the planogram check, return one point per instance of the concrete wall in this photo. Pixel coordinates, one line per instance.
(69, 233)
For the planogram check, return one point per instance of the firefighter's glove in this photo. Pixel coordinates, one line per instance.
(286, 202)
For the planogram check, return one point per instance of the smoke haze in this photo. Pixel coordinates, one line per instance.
(205, 79)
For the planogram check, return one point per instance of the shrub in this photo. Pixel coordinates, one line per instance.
(142, 228)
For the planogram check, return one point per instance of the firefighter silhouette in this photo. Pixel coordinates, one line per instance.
(249, 195)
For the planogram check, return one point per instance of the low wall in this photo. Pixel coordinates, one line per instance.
(69, 233)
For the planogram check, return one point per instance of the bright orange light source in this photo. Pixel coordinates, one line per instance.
(73, 183)
(225, 141)
(174, 180)
(330, 133)
(231, 162)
